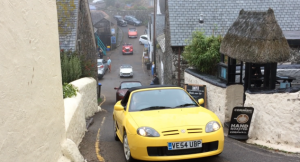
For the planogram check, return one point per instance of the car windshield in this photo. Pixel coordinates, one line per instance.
(130, 85)
(99, 63)
(125, 66)
(132, 29)
(160, 99)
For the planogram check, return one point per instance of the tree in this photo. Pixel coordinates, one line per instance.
(203, 52)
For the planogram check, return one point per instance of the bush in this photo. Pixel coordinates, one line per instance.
(69, 90)
(203, 52)
(70, 66)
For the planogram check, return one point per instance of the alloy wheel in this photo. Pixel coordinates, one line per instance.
(126, 148)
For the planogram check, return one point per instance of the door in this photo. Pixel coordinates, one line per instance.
(144, 40)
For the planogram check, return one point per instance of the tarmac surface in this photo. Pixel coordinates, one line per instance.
(99, 144)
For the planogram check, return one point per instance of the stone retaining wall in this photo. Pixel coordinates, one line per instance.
(275, 122)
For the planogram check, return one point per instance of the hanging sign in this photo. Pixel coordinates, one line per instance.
(240, 123)
(197, 92)
(113, 40)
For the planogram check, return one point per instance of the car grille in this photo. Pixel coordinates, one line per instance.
(170, 132)
(127, 50)
(194, 130)
(163, 151)
(125, 74)
(176, 132)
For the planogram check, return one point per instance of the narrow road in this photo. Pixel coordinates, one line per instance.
(99, 144)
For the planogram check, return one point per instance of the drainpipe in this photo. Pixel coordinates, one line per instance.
(179, 67)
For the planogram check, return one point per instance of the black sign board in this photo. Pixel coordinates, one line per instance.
(240, 123)
(197, 92)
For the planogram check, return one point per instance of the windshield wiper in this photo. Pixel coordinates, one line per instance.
(155, 107)
(187, 104)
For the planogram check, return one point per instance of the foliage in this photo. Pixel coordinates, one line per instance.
(139, 8)
(110, 2)
(203, 52)
(69, 90)
(70, 66)
(89, 68)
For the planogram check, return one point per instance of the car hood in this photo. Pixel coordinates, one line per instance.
(170, 118)
(132, 33)
(122, 91)
(127, 70)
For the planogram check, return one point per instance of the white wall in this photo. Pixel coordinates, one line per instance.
(216, 96)
(276, 120)
(87, 87)
(80, 107)
(31, 101)
(219, 100)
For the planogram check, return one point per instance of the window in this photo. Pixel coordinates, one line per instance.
(229, 69)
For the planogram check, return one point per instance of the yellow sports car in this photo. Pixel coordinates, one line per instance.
(161, 123)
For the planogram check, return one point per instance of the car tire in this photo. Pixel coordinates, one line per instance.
(126, 149)
(140, 43)
(115, 131)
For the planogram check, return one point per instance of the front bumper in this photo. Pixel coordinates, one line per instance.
(100, 76)
(155, 148)
(132, 36)
(125, 52)
(126, 75)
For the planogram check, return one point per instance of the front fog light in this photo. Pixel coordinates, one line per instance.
(147, 132)
(212, 126)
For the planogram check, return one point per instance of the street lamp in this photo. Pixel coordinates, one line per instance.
(201, 19)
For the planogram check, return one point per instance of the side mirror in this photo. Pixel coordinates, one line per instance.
(116, 88)
(201, 101)
(118, 107)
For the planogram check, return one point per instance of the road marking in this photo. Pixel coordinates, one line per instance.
(104, 99)
(97, 144)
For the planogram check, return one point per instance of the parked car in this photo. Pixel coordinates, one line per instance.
(124, 86)
(143, 39)
(165, 123)
(102, 67)
(126, 70)
(132, 33)
(120, 20)
(132, 20)
(127, 48)
(118, 17)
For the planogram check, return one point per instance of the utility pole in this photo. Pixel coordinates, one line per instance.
(154, 37)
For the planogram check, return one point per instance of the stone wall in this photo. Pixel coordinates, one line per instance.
(87, 87)
(86, 44)
(80, 107)
(275, 122)
(219, 100)
(216, 96)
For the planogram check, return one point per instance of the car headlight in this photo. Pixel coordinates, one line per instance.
(121, 94)
(212, 126)
(131, 73)
(147, 132)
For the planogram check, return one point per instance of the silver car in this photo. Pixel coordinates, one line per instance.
(102, 67)
(126, 70)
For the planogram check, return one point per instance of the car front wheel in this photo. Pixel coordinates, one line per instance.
(115, 132)
(126, 149)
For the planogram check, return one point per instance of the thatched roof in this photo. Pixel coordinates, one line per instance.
(257, 38)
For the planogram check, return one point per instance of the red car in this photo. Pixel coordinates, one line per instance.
(124, 86)
(132, 33)
(127, 48)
